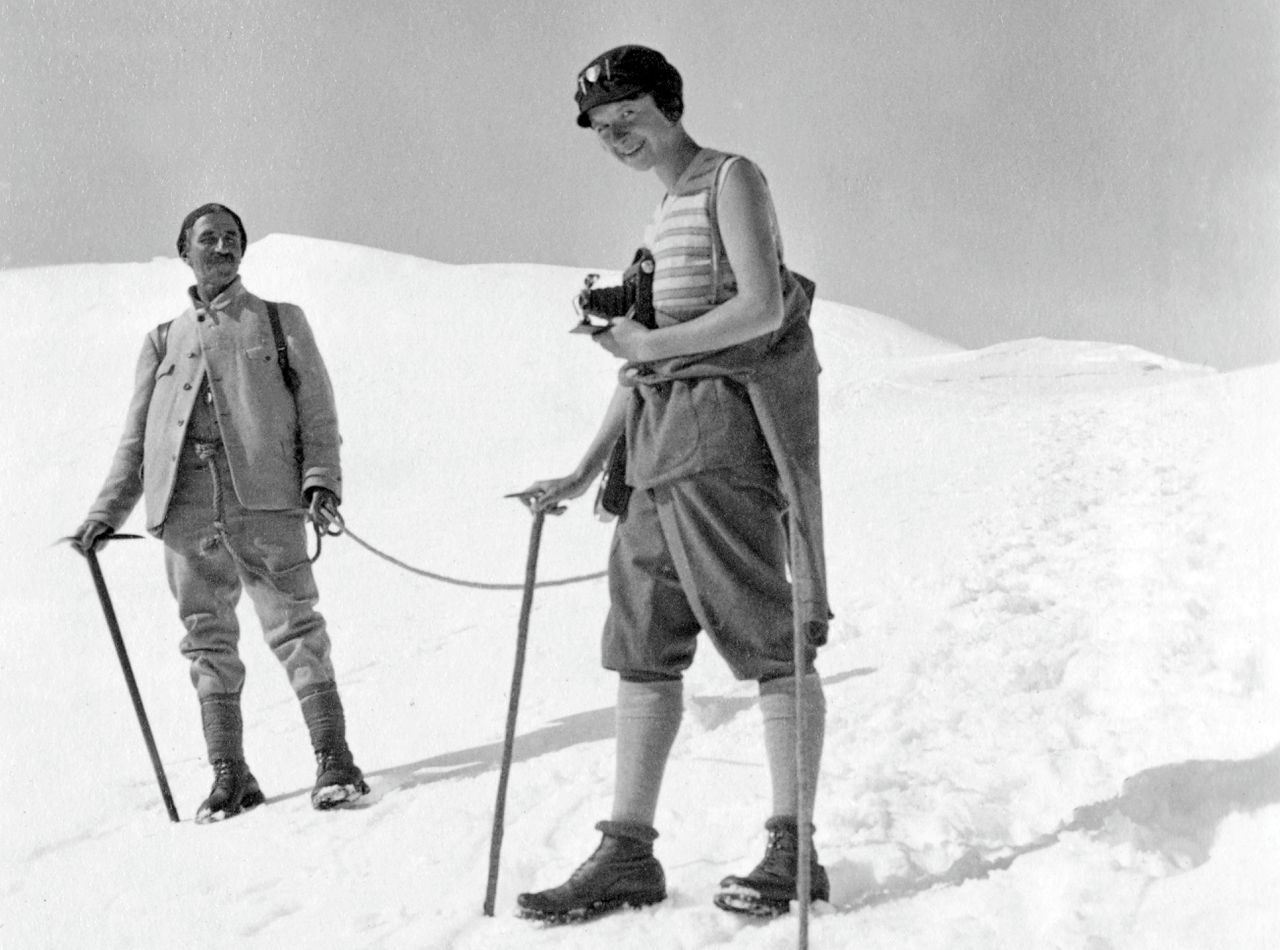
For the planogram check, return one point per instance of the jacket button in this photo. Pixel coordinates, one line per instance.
(186, 385)
(181, 421)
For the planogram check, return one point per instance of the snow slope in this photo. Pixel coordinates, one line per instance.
(1053, 680)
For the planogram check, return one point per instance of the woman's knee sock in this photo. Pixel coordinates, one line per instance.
(648, 718)
(778, 708)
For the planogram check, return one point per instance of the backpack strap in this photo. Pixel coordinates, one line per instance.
(290, 383)
(162, 337)
(282, 349)
(277, 331)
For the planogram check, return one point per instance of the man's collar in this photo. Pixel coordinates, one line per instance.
(220, 302)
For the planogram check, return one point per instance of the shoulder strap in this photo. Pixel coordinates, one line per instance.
(715, 224)
(806, 285)
(277, 331)
(162, 337)
(282, 350)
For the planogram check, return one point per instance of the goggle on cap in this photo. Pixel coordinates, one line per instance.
(624, 72)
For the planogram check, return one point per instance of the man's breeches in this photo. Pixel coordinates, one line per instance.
(707, 552)
(213, 549)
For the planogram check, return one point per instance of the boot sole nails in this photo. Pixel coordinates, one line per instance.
(750, 902)
(578, 915)
(335, 796)
(223, 814)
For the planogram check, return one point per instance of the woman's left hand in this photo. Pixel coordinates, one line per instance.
(625, 339)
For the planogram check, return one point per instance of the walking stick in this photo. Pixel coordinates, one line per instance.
(522, 637)
(109, 612)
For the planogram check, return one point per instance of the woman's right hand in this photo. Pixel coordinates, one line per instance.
(546, 494)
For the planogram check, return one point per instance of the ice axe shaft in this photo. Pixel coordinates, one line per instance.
(804, 794)
(113, 625)
(513, 705)
(804, 815)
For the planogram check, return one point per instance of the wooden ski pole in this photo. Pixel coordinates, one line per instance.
(109, 612)
(513, 703)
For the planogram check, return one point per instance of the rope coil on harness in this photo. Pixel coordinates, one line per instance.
(207, 452)
(339, 527)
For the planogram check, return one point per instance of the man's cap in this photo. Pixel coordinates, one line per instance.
(623, 72)
(210, 208)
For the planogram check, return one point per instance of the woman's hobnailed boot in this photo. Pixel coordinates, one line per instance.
(621, 873)
(234, 790)
(771, 886)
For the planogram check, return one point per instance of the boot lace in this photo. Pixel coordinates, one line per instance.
(585, 870)
(335, 761)
(779, 859)
(225, 773)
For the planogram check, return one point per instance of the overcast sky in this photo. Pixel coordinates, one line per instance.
(984, 170)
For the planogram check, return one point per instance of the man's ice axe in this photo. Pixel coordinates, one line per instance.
(109, 612)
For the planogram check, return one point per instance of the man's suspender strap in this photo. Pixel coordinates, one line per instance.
(282, 350)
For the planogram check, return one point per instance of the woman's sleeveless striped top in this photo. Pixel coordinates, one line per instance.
(688, 254)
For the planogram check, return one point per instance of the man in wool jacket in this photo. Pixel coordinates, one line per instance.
(231, 439)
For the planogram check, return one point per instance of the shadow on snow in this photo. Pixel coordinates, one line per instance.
(1171, 809)
(591, 726)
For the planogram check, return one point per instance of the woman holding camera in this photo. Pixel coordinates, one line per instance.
(719, 410)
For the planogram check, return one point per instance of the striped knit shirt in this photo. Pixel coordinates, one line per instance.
(688, 253)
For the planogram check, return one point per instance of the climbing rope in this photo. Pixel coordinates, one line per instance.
(207, 452)
(341, 528)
